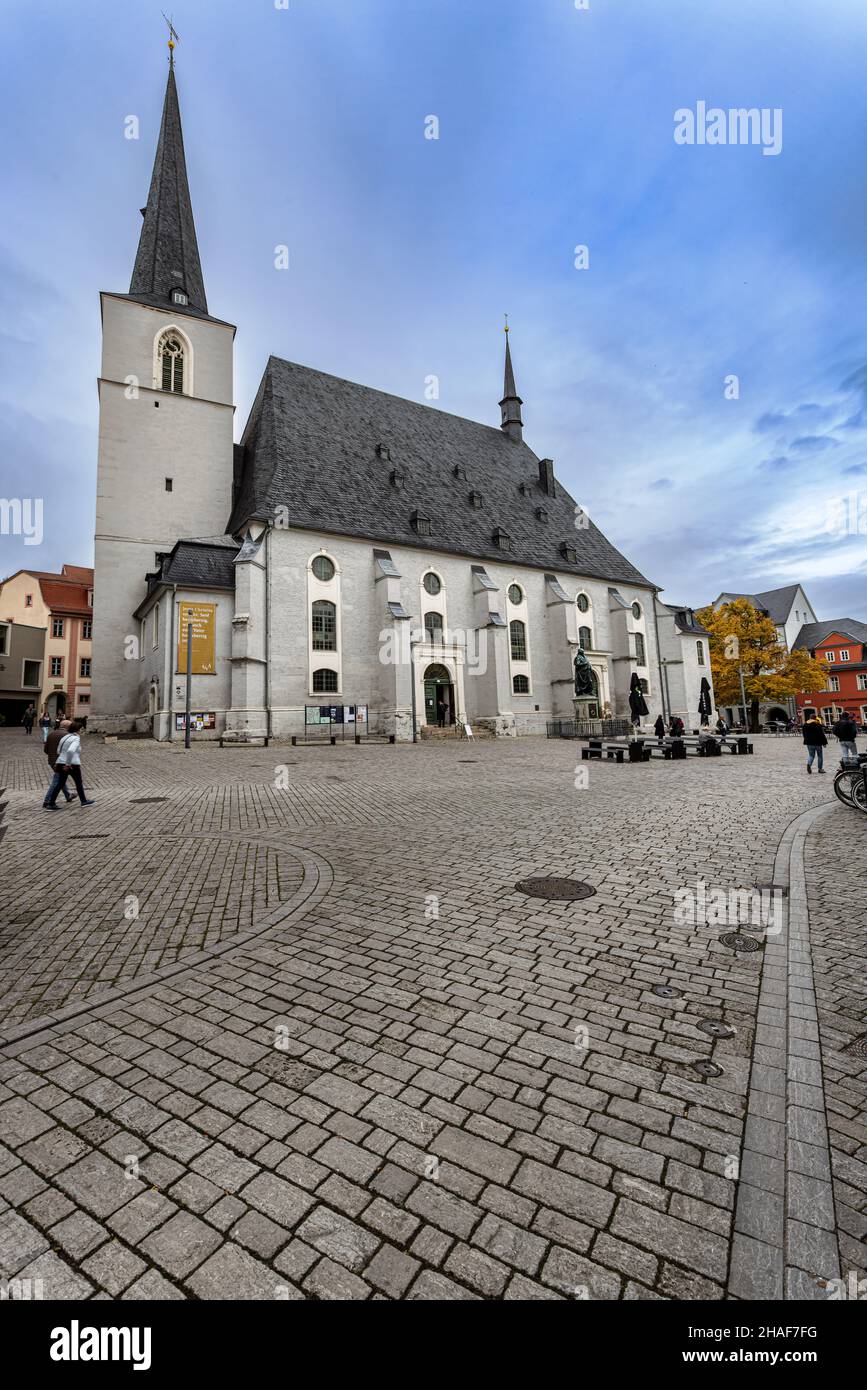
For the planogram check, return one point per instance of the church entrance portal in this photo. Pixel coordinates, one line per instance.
(438, 693)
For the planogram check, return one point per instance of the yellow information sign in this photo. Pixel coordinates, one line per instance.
(204, 620)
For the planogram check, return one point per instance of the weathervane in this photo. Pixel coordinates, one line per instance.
(174, 37)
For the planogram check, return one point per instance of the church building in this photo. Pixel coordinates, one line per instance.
(355, 551)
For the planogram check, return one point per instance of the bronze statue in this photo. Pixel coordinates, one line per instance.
(585, 677)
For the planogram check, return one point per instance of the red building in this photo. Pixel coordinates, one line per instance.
(842, 646)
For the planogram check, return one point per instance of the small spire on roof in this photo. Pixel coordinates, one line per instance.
(510, 405)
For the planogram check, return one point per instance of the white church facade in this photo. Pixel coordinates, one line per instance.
(353, 550)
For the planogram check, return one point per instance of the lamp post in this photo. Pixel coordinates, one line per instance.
(744, 699)
(412, 647)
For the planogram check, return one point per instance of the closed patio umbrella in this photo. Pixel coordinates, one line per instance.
(704, 701)
(637, 702)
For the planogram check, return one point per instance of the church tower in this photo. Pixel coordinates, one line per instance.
(165, 424)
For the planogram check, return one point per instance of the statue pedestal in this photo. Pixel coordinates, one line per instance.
(588, 715)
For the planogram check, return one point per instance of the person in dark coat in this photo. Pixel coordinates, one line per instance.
(29, 718)
(676, 727)
(815, 741)
(722, 727)
(659, 727)
(52, 744)
(846, 732)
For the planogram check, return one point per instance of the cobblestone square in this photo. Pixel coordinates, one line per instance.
(299, 1036)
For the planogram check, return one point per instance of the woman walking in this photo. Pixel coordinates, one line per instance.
(815, 741)
(45, 724)
(68, 764)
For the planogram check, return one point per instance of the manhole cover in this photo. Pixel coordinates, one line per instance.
(857, 1047)
(716, 1028)
(666, 992)
(145, 800)
(738, 942)
(707, 1068)
(556, 889)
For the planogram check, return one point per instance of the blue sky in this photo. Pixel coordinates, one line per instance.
(305, 126)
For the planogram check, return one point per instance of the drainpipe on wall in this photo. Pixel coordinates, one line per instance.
(268, 633)
(663, 684)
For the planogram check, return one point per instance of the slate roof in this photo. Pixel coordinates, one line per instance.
(168, 253)
(196, 564)
(777, 602)
(812, 634)
(685, 620)
(313, 444)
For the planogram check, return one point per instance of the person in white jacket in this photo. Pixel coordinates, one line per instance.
(68, 764)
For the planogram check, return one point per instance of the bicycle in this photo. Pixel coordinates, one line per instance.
(850, 783)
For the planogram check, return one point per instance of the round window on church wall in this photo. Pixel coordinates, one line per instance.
(636, 610)
(432, 584)
(515, 593)
(323, 568)
(583, 603)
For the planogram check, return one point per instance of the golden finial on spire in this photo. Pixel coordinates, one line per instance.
(174, 37)
(506, 317)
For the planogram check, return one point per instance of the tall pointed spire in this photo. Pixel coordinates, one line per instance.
(510, 405)
(168, 255)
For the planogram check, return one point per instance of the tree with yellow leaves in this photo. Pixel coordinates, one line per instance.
(744, 640)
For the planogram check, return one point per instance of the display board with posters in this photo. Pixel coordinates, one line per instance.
(204, 620)
(199, 720)
(348, 717)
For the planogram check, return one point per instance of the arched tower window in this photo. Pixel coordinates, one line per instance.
(324, 615)
(518, 636)
(171, 363)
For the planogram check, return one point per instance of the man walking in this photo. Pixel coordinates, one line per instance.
(27, 721)
(68, 764)
(51, 745)
(846, 731)
(815, 741)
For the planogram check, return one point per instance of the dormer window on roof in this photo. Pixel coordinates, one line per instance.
(524, 489)
(383, 451)
(569, 553)
(420, 524)
(459, 471)
(541, 514)
(502, 540)
(180, 296)
(475, 499)
(398, 478)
